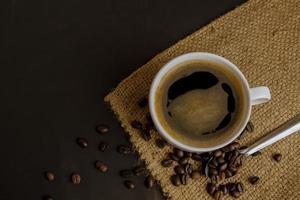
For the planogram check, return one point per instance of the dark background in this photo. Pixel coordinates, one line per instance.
(58, 59)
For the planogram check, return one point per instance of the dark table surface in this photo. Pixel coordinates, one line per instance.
(58, 59)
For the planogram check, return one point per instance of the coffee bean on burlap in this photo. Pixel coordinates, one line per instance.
(173, 156)
(188, 168)
(149, 182)
(136, 124)
(178, 153)
(211, 188)
(167, 162)
(214, 179)
(179, 169)
(102, 128)
(224, 189)
(253, 180)
(250, 127)
(175, 180)
(183, 160)
(129, 184)
(160, 143)
(222, 167)
(75, 178)
(102, 167)
(217, 153)
(220, 160)
(277, 157)
(239, 187)
(50, 176)
(183, 179)
(145, 134)
(196, 157)
(126, 173)
(218, 195)
(235, 194)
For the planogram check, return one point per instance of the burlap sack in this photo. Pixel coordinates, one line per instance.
(262, 37)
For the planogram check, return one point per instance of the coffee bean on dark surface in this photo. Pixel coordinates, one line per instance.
(195, 174)
(183, 160)
(173, 157)
(123, 149)
(178, 153)
(149, 182)
(75, 178)
(160, 143)
(183, 179)
(218, 195)
(47, 197)
(211, 188)
(250, 127)
(139, 170)
(103, 146)
(277, 157)
(126, 173)
(136, 124)
(179, 169)
(196, 157)
(253, 180)
(256, 153)
(102, 129)
(240, 187)
(167, 162)
(49, 176)
(143, 102)
(129, 184)
(102, 167)
(82, 142)
(175, 180)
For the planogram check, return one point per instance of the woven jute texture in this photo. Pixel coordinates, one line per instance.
(262, 37)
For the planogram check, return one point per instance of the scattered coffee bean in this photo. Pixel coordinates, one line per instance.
(75, 178)
(143, 102)
(188, 154)
(103, 146)
(47, 197)
(183, 160)
(102, 167)
(228, 174)
(212, 165)
(126, 173)
(102, 128)
(178, 153)
(235, 194)
(149, 182)
(129, 184)
(139, 170)
(136, 124)
(167, 162)
(240, 187)
(213, 171)
(214, 179)
(82, 142)
(242, 135)
(196, 157)
(220, 160)
(173, 157)
(146, 134)
(175, 180)
(218, 195)
(183, 179)
(195, 174)
(256, 153)
(223, 167)
(250, 127)
(211, 188)
(217, 153)
(188, 168)
(233, 146)
(231, 187)
(253, 180)
(49, 176)
(179, 169)
(277, 157)
(160, 143)
(123, 149)
(224, 189)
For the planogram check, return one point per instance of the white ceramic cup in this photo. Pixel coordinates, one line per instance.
(253, 96)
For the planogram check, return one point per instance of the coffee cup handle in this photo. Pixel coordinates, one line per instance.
(259, 95)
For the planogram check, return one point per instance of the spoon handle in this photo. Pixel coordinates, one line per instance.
(286, 129)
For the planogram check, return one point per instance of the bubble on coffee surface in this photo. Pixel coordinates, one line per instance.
(200, 104)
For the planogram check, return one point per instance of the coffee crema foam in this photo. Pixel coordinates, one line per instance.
(198, 101)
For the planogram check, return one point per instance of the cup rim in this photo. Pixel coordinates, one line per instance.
(165, 69)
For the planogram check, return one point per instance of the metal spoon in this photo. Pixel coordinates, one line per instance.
(286, 129)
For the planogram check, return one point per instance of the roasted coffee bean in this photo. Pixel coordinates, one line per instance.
(160, 143)
(178, 153)
(233, 146)
(136, 124)
(175, 180)
(228, 174)
(220, 160)
(183, 160)
(188, 154)
(224, 189)
(235, 194)
(223, 155)
(149, 182)
(212, 165)
(103, 146)
(179, 169)
(195, 174)
(217, 153)
(143, 102)
(102, 129)
(256, 153)
(47, 197)
(49, 176)
(223, 167)
(82, 142)
(233, 157)
(75, 178)
(240, 187)
(167, 162)
(222, 176)
(213, 171)
(102, 167)
(218, 195)
(214, 179)
(146, 134)
(205, 156)
(173, 157)
(232, 168)
(253, 180)
(183, 179)
(123, 149)
(188, 168)
(129, 184)
(242, 135)
(196, 157)
(211, 188)
(126, 173)
(250, 127)
(243, 147)
(139, 170)
(277, 157)
(231, 187)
